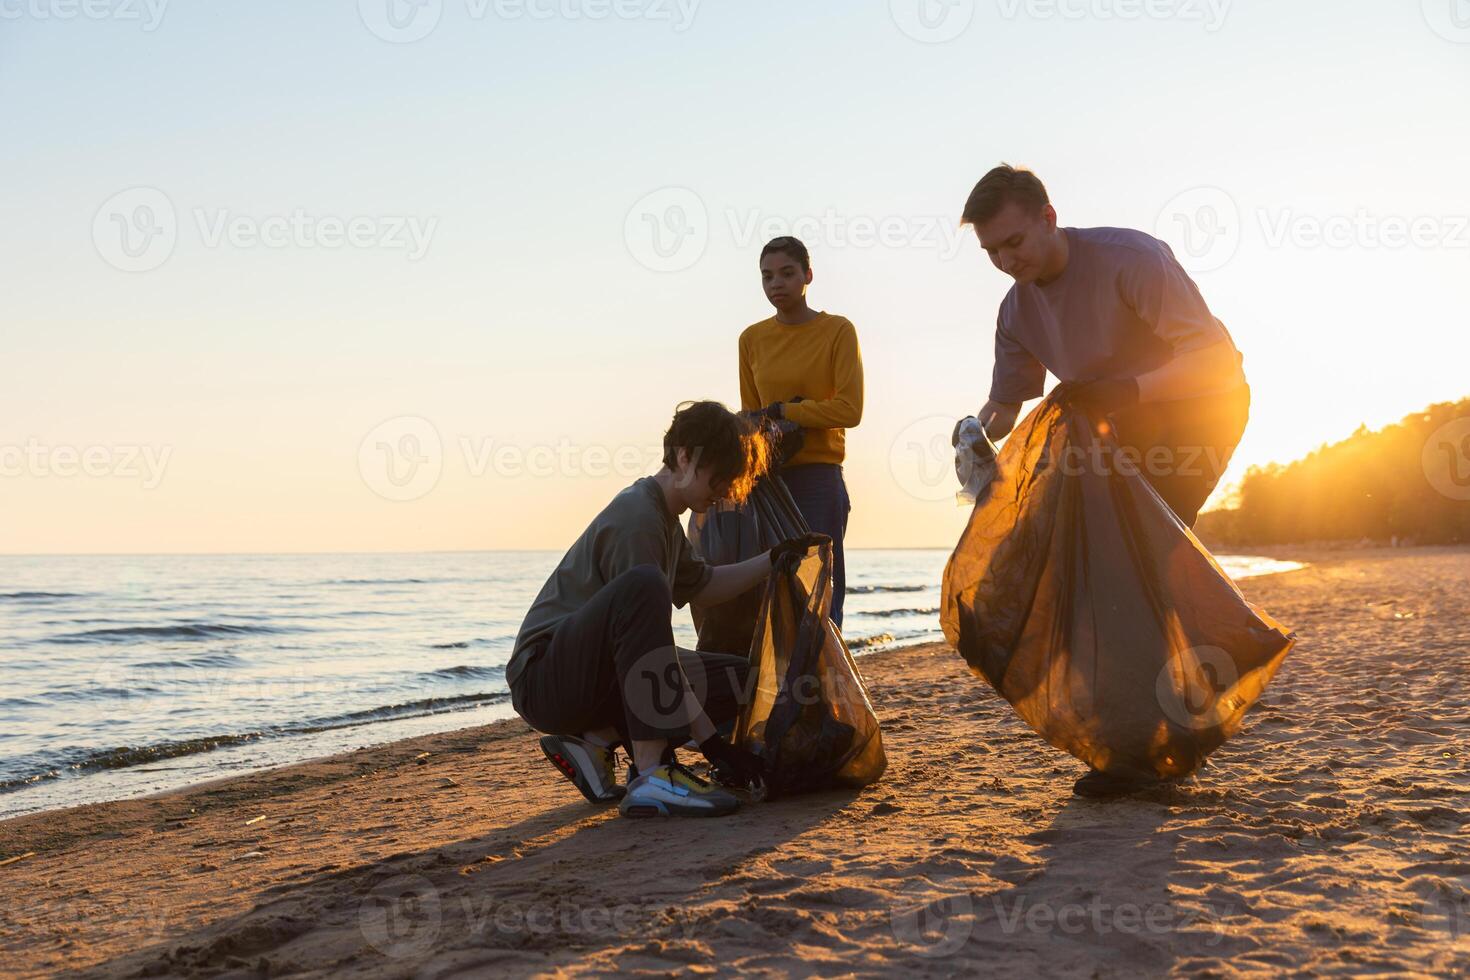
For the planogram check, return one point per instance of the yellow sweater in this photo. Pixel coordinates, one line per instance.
(819, 361)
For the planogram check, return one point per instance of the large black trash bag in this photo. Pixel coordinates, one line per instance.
(807, 715)
(729, 533)
(1078, 594)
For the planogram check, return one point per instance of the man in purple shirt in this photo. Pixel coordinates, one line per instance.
(1112, 314)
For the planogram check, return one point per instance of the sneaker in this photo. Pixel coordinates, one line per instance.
(673, 791)
(1098, 785)
(591, 768)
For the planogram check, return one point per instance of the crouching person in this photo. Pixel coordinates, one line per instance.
(595, 665)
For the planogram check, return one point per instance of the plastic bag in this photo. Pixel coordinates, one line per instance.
(974, 459)
(808, 715)
(1078, 594)
(727, 533)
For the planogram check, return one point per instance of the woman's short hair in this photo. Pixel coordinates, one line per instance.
(790, 247)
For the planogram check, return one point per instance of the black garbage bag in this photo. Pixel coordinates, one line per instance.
(1078, 594)
(729, 533)
(807, 715)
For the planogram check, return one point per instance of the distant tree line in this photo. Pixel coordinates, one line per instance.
(1409, 481)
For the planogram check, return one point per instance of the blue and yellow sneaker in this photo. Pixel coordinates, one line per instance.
(591, 768)
(673, 791)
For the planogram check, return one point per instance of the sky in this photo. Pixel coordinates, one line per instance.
(383, 276)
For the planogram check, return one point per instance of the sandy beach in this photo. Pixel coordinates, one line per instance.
(1331, 836)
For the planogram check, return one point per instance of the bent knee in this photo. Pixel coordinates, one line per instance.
(648, 582)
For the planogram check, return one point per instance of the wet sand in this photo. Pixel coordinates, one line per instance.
(1332, 835)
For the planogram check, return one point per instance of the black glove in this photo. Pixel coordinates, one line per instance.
(1098, 398)
(795, 549)
(733, 766)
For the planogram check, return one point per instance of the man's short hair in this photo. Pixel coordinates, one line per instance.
(792, 248)
(1004, 185)
(716, 437)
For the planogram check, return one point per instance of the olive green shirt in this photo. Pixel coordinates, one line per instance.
(635, 529)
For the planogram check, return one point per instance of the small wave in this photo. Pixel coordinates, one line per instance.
(178, 631)
(20, 596)
(221, 659)
(385, 581)
(887, 613)
(876, 589)
(465, 670)
(407, 709)
(478, 641)
(76, 762)
(864, 642)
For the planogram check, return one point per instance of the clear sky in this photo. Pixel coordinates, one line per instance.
(247, 246)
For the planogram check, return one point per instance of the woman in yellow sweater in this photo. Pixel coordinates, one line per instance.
(805, 366)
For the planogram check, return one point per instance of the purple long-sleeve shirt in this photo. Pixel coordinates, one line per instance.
(1122, 307)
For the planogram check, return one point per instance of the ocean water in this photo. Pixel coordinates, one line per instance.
(125, 675)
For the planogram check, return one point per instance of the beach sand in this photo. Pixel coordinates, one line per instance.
(1332, 835)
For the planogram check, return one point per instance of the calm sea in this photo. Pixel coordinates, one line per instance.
(125, 675)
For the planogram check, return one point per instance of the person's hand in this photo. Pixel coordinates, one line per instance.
(1098, 398)
(795, 549)
(998, 418)
(733, 766)
(775, 410)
